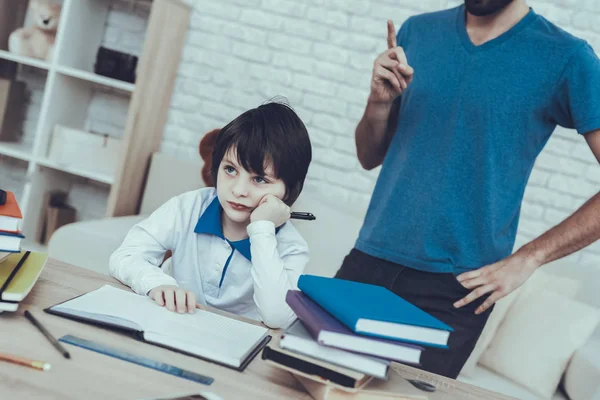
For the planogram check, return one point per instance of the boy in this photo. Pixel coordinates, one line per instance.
(232, 245)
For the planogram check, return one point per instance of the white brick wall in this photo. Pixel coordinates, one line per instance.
(319, 54)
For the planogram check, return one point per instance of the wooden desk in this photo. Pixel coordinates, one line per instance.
(89, 375)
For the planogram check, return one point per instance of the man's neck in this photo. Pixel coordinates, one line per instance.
(486, 28)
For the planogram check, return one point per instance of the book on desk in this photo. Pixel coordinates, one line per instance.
(297, 339)
(206, 335)
(394, 388)
(328, 331)
(375, 311)
(346, 335)
(18, 274)
(328, 381)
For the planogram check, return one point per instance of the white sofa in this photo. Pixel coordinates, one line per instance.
(89, 244)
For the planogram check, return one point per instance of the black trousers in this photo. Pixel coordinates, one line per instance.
(434, 293)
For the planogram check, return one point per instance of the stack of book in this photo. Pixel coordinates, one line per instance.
(347, 333)
(10, 218)
(18, 273)
(19, 270)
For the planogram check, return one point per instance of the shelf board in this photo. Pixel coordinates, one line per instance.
(16, 150)
(34, 62)
(95, 78)
(96, 176)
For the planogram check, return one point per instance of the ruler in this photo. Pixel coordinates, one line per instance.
(135, 359)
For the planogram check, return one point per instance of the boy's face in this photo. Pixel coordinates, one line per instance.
(240, 191)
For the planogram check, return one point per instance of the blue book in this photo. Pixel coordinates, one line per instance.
(375, 311)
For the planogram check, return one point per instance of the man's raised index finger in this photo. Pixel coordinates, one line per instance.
(391, 35)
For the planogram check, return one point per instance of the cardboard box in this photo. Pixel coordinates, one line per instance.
(12, 98)
(56, 214)
(57, 217)
(74, 148)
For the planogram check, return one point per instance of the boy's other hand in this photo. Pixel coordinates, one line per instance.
(391, 72)
(270, 208)
(174, 298)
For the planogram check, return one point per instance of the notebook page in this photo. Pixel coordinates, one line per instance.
(203, 333)
(209, 335)
(109, 304)
(116, 321)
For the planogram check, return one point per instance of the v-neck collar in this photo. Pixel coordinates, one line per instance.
(472, 48)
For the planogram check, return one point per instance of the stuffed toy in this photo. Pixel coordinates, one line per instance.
(205, 148)
(37, 40)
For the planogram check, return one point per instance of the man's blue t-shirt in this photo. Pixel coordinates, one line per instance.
(471, 124)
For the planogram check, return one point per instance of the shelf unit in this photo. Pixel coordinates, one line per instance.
(69, 88)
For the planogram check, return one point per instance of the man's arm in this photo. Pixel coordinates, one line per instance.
(579, 230)
(391, 76)
(374, 133)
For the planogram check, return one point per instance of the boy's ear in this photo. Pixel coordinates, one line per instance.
(205, 149)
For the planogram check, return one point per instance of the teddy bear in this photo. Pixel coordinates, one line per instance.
(37, 40)
(205, 148)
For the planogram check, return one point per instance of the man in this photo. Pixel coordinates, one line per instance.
(461, 104)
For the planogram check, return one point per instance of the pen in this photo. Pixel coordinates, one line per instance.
(303, 215)
(41, 365)
(48, 335)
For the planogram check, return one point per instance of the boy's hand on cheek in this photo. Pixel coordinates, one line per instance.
(270, 208)
(174, 298)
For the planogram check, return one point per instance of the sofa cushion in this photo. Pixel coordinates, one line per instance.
(540, 279)
(331, 236)
(89, 244)
(582, 379)
(488, 379)
(496, 317)
(538, 337)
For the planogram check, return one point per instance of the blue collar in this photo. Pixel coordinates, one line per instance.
(210, 223)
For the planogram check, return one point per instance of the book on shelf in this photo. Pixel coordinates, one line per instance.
(10, 214)
(10, 242)
(373, 310)
(328, 331)
(204, 334)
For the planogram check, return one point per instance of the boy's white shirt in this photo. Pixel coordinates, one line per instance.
(254, 289)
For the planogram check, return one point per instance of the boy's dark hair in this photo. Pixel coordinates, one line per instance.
(273, 133)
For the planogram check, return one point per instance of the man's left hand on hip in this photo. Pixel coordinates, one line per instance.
(496, 280)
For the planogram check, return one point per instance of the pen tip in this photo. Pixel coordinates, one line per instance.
(67, 355)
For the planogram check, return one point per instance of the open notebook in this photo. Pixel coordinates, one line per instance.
(204, 334)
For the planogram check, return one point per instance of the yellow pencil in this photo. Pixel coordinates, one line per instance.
(41, 365)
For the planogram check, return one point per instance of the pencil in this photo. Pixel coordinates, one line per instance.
(41, 365)
(48, 335)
